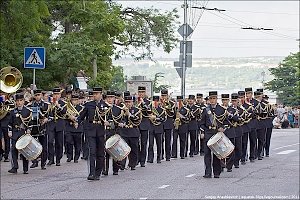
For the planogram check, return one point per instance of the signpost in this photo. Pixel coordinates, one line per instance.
(34, 58)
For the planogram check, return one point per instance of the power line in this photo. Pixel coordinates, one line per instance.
(263, 12)
(241, 23)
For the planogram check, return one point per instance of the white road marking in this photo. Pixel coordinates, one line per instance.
(191, 175)
(163, 186)
(286, 146)
(143, 198)
(286, 152)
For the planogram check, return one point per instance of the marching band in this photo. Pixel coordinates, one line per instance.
(85, 123)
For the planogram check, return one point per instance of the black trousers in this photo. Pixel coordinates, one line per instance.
(244, 146)
(43, 140)
(252, 139)
(158, 141)
(6, 142)
(261, 138)
(212, 163)
(84, 146)
(73, 141)
(143, 146)
(202, 145)
(237, 150)
(268, 140)
(230, 159)
(14, 155)
(133, 142)
(96, 155)
(57, 150)
(183, 144)
(197, 148)
(192, 134)
(168, 136)
(174, 143)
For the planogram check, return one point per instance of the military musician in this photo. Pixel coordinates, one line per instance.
(157, 119)
(180, 128)
(94, 113)
(249, 105)
(40, 111)
(74, 132)
(262, 114)
(211, 123)
(130, 131)
(193, 125)
(169, 107)
(115, 116)
(200, 134)
(18, 126)
(144, 127)
(56, 127)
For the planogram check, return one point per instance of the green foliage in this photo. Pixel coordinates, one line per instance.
(145, 28)
(75, 33)
(286, 81)
(156, 87)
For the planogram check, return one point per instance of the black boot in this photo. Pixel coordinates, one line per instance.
(13, 171)
(34, 165)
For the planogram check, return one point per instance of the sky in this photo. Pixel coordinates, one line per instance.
(219, 34)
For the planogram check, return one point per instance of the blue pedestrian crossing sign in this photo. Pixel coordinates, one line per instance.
(34, 57)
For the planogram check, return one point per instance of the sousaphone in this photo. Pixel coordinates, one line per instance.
(11, 80)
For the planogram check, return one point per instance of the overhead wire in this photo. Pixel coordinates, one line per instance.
(241, 23)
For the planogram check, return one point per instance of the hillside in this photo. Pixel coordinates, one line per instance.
(222, 74)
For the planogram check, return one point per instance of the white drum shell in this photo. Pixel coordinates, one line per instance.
(117, 148)
(220, 145)
(29, 147)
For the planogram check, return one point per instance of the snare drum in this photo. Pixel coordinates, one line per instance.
(220, 145)
(117, 148)
(29, 147)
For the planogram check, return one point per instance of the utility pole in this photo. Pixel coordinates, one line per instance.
(185, 6)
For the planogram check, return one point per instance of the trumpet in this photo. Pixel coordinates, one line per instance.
(177, 121)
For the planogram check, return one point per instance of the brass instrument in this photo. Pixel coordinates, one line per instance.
(154, 115)
(177, 121)
(133, 122)
(169, 108)
(11, 80)
(71, 110)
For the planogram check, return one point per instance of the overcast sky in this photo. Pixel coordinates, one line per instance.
(220, 34)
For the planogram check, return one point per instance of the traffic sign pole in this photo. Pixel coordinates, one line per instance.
(184, 49)
(33, 82)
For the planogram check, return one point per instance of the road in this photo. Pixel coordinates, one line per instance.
(273, 177)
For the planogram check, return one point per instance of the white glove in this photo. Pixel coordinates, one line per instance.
(121, 125)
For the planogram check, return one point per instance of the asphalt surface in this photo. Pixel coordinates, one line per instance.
(275, 177)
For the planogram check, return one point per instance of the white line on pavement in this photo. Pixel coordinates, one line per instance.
(143, 198)
(286, 146)
(163, 186)
(191, 175)
(286, 152)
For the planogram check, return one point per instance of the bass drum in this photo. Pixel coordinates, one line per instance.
(220, 145)
(117, 148)
(29, 147)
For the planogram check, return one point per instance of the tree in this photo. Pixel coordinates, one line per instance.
(145, 28)
(80, 35)
(286, 80)
(156, 87)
